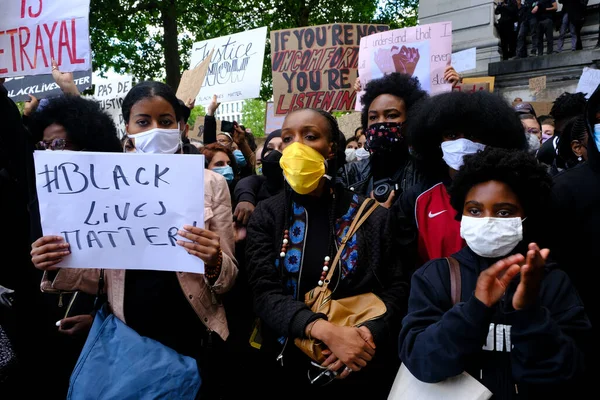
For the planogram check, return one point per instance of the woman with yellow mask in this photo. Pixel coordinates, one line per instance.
(292, 238)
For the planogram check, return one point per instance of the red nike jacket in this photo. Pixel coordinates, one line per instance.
(439, 232)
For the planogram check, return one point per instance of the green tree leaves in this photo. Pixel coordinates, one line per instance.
(253, 116)
(151, 39)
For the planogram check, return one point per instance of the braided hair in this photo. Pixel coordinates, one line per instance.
(575, 129)
(338, 140)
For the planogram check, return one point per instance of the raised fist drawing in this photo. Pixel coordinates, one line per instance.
(396, 59)
(405, 60)
(383, 59)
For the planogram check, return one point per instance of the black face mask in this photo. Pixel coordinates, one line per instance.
(271, 168)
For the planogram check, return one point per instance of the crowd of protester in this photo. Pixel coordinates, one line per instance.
(466, 179)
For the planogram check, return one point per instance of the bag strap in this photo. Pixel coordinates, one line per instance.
(359, 219)
(455, 281)
(100, 295)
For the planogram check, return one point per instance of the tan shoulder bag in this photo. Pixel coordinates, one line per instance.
(349, 311)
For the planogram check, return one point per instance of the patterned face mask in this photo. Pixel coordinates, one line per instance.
(383, 136)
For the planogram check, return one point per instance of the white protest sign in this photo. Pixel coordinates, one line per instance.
(235, 70)
(33, 32)
(110, 93)
(119, 210)
(589, 81)
(465, 60)
(272, 121)
(422, 51)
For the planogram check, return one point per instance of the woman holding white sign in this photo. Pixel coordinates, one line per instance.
(181, 311)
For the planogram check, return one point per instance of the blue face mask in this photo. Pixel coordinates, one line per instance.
(227, 172)
(597, 136)
(239, 158)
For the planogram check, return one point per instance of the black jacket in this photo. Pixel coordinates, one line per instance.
(378, 271)
(358, 177)
(508, 12)
(531, 353)
(574, 226)
(255, 188)
(575, 9)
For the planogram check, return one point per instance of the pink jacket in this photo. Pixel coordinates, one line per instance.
(218, 219)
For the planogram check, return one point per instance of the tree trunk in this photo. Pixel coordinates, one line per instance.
(170, 43)
(304, 13)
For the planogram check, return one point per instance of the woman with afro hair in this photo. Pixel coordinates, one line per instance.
(497, 309)
(443, 129)
(387, 105)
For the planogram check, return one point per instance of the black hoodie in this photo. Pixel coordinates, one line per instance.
(574, 230)
(526, 354)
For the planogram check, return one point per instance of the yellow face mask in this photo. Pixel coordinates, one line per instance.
(303, 167)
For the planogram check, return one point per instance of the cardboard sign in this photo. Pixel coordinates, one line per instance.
(541, 107)
(235, 70)
(43, 86)
(111, 93)
(33, 32)
(272, 121)
(465, 60)
(119, 210)
(471, 87)
(316, 66)
(422, 51)
(481, 79)
(589, 81)
(537, 84)
(192, 80)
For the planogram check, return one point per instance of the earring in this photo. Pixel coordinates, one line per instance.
(579, 158)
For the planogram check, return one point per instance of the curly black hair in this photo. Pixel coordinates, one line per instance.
(400, 85)
(482, 116)
(87, 126)
(568, 105)
(517, 169)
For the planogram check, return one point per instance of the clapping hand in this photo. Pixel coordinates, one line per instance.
(493, 282)
(531, 277)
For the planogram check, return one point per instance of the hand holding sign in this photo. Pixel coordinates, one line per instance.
(204, 244)
(405, 60)
(48, 251)
(30, 106)
(64, 80)
(451, 76)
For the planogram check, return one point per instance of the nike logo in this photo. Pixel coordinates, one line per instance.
(436, 214)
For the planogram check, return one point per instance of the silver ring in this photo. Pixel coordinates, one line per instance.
(348, 369)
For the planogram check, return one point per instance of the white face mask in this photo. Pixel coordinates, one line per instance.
(157, 141)
(350, 155)
(454, 150)
(533, 143)
(491, 237)
(362, 154)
